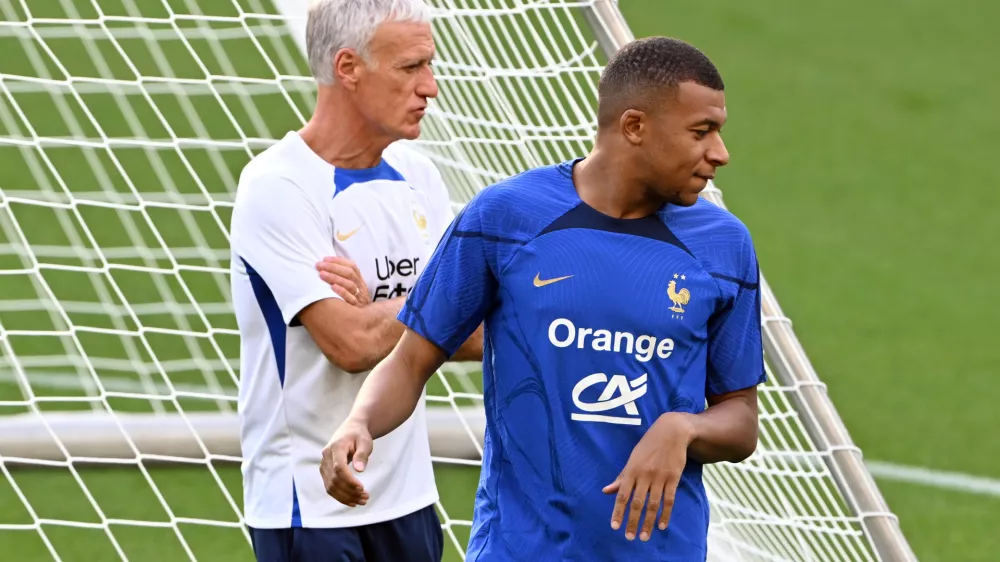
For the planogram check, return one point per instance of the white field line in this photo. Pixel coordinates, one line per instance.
(956, 481)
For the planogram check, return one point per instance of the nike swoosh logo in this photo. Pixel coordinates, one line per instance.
(344, 237)
(542, 283)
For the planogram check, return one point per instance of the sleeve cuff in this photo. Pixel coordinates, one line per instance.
(412, 320)
(291, 311)
(733, 386)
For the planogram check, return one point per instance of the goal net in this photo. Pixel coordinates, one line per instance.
(123, 127)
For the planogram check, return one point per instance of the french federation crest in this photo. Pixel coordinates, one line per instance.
(680, 297)
(420, 220)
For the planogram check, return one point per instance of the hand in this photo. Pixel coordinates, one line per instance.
(653, 468)
(344, 277)
(350, 445)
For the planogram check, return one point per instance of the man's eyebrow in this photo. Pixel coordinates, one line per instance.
(710, 122)
(417, 59)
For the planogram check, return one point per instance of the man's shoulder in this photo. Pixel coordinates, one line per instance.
(404, 154)
(519, 207)
(287, 161)
(538, 179)
(415, 167)
(544, 189)
(714, 236)
(706, 220)
(278, 173)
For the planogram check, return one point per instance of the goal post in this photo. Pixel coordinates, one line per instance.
(123, 128)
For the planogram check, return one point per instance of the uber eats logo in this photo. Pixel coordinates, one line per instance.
(397, 277)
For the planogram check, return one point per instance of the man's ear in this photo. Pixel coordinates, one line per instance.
(347, 65)
(633, 125)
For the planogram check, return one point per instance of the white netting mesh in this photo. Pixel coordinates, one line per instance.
(124, 126)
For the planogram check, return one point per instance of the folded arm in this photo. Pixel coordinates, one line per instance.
(355, 333)
(355, 338)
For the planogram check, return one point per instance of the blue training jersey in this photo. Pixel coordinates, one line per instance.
(595, 326)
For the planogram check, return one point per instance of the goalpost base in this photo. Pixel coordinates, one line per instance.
(122, 437)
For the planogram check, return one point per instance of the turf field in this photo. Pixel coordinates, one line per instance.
(868, 206)
(859, 135)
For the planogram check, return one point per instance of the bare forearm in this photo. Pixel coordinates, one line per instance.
(354, 338)
(388, 397)
(392, 390)
(726, 431)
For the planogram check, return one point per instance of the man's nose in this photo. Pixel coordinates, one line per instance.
(427, 87)
(717, 154)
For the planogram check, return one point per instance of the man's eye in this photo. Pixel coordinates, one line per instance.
(700, 133)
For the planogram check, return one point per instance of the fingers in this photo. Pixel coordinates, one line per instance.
(349, 297)
(344, 278)
(652, 507)
(332, 270)
(642, 497)
(357, 272)
(668, 500)
(348, 494)
(613, 487)
(621, 501)
(361, 454)
(348, 267)
(339, 481)
(635, 507)
(337, 274)
(362, 292)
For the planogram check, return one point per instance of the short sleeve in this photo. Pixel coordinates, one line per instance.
(735, 348)
(441, 213)
(456, 290)
(279, 233)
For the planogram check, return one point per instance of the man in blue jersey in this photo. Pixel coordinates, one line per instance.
(623, 344)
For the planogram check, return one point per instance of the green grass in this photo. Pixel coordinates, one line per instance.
(860, 137)
(190, 493)
(861, 145)
(189, 187)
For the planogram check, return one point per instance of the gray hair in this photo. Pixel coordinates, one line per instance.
(336, 24)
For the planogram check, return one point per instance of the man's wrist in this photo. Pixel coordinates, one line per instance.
(685, 423)
(358, 418)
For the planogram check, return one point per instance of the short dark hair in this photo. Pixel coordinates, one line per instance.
(651, 67)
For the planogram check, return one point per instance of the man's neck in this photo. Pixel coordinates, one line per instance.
(609, 184)
(339, 134)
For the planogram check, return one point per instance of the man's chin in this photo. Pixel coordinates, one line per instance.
(688, 197)
(411, 132)
(686, 200)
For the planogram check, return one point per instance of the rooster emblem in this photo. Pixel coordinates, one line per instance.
(681, 297)
(420, 219)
